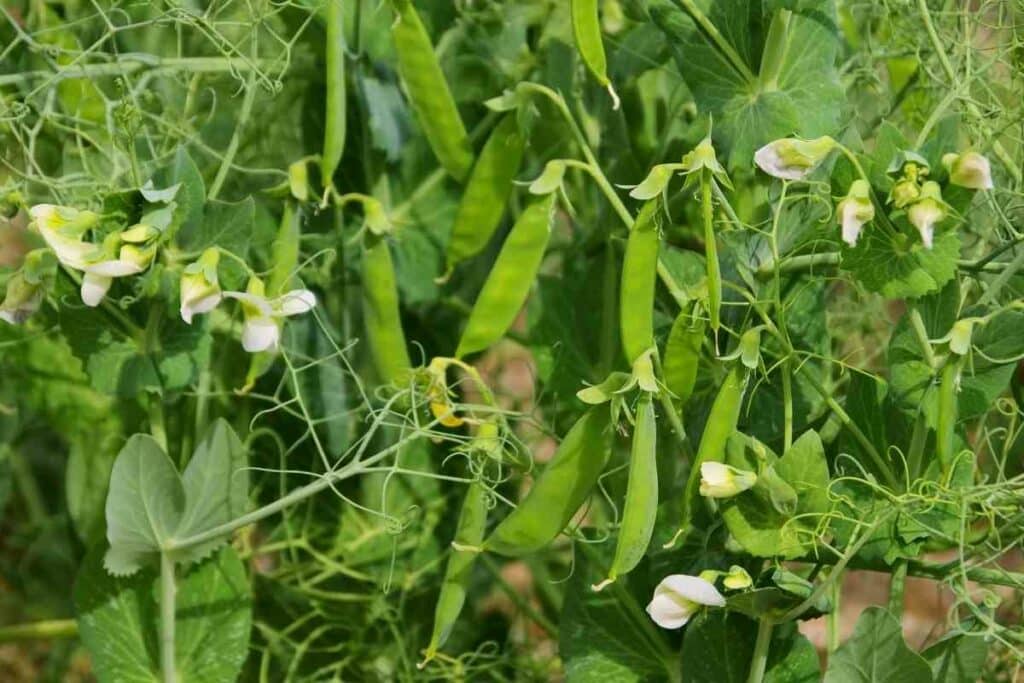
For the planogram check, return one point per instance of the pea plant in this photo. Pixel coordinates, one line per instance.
(529, 340)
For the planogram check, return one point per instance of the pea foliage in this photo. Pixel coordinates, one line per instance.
(594, 340)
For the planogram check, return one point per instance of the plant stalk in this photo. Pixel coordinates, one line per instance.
(759, 662)
(167, 597)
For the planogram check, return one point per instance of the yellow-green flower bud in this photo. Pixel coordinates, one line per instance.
(200, 289)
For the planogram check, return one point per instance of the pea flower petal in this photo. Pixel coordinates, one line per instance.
(855, 210)
(679, 596)
(718, 480)
(970, 170)
(792, 158)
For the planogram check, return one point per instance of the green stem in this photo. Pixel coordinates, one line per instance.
(759, 661)
(832, 632)
(130, 63)
(26, 485)
(156, 420)
(921, 332)
(39, 630)
(717, 40)
(167, 597)
(236, 138)
(897, 582)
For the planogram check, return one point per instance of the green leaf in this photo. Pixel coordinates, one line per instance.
(751, 517)
(902, 268)
(876, 653)
(86, 478)
(224, 224)
(191, 195)
(144, 506)
(959, 658)
(718, 646)
(216, 484)
(806, 98)
(118, 621)
(118, 365)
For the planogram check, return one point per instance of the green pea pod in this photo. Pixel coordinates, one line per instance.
(586, 28)
(334, 121)
(559, 491)
(470, 532)
(285, 251)
(380, 313)
(682, 354)
(711, 252)
(428, 91)
(721, 423)
(487, 191)
(945, 428)
(641, 508)
(509, 281)
(639, 270)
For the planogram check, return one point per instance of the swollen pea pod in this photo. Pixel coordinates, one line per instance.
(721, 423)
(428, 91)
(682, 354)
(639, 270)
(641, 508)
(470, 532)
(586, 28)
(487, 191)
(380, 312)
(334, 121)
(510, 279)
(559, 491)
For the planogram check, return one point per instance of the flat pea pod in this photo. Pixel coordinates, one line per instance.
(284, 252)
(509, 281)
(639, 270)
(711, 252)
(334, 117)
(559, 491)
(682, 354)
(380, 312)
(429, 94)
(586, 28)
(641, 507)
(721, 423)
(469, 532)
(487, 191)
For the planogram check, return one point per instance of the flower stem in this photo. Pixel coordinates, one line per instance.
(39, 630)
(759, 662)
(167, 591)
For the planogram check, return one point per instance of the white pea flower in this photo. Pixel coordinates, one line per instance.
(718, 480)
(792, 158)
(200, 288)
(100, 268)
(21, 300)
(854, 210)
(679, 596)
(262, 328)
(62, 228)
(970, 170)
(928, 210)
